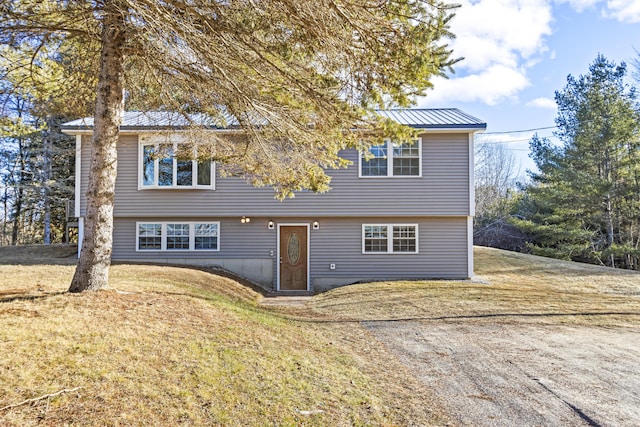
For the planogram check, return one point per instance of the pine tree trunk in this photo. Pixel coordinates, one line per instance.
(47, 153)
(610, 231)
(92, 271)
(19, 199)
(17, 212)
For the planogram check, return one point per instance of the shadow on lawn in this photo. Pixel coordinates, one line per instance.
(27, 296)
(58, 254)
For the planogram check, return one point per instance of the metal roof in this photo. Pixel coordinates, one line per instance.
(421, 118)
(434, 118)
(137, 120)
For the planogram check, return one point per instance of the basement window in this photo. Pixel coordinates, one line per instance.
(182, 236)
(389, 238)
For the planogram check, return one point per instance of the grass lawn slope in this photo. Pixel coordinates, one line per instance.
(175, 346)
(509, 287)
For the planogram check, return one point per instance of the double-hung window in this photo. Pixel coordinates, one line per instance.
(161, 168)
(389, 238)
(181, 236)
(393, 159)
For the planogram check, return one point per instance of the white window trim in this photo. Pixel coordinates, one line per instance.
(163, 236)
(156, 171)
(390, 239)
(389, 144)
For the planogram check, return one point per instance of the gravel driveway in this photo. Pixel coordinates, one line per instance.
(490, 373)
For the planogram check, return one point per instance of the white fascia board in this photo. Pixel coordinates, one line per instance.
(78, 178)
(472, 179)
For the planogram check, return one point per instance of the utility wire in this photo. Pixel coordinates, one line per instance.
(518, 131)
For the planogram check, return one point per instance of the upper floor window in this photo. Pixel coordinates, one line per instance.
(393, 159)
(160, 168)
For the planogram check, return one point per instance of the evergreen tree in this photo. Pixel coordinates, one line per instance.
(584, 202)
(37, 169)
(295, 74)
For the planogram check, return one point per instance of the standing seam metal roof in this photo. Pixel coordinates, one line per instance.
(419, 118)
(434, 118)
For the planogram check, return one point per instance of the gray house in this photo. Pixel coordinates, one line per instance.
(406, 213)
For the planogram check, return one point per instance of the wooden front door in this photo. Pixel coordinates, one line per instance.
(293, 258)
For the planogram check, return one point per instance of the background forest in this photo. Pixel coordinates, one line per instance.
(583, 201)
(37, 161)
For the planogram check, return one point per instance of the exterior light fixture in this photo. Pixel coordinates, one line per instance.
(245, 220)
(316, 225)
(271, 225)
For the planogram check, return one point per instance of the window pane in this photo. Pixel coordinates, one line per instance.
(185, 172)
(406, 159)
(165, 166)
(149, 236)
(406, 166)
(204, 173)
(177, 236)
(148, 165)
(406, 150)
(375, 238)
(206, 236)
(377, 166)
(404, 238)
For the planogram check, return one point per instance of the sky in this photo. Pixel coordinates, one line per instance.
(517, 53)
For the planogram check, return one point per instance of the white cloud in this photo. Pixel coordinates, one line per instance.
(623, 10)
(500, 31)
(491, 86)
(543, 103)
(500, 40)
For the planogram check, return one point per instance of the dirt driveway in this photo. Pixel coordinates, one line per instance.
(532, 342)
(490, 373)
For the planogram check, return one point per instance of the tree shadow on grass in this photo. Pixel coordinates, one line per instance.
(27, 295)
(59, 254)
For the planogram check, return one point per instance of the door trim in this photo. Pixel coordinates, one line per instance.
(294, 224)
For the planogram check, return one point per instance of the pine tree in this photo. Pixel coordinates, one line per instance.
(585, 197)
(37, 171)
(295, 74)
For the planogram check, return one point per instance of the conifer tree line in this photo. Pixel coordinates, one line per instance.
(583, 201)
(36, 160)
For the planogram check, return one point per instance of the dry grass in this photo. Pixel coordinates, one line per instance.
(510, 286)
(174, 346)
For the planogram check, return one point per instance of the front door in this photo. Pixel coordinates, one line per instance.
(293, 258)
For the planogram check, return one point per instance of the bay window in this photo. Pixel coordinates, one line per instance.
(160, 168)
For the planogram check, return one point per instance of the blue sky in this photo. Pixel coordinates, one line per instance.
(519, 52)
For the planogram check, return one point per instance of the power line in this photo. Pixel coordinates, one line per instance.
(514, 140)
(518, 131)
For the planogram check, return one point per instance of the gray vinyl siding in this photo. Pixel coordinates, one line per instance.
(251, 249)
(442, 251)
(443, 189)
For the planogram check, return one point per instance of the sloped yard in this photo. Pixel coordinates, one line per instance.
(533, 341)
(174, 346)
